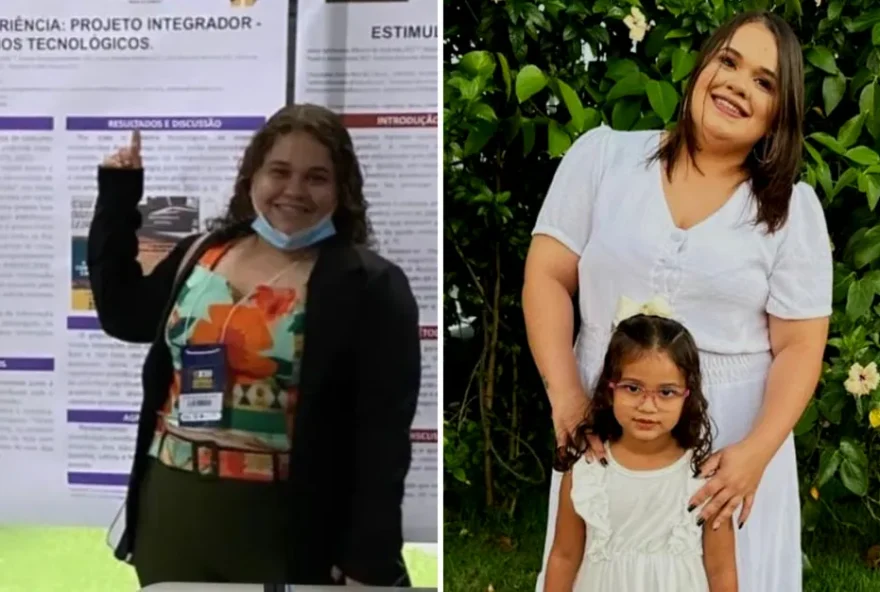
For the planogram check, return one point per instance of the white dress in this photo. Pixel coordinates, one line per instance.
(722, 278)
(640, 536)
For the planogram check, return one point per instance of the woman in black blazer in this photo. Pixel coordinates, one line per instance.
(283, 375)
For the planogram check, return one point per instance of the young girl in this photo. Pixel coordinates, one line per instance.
(625, 526)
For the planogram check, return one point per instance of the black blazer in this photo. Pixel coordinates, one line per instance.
(358, 391)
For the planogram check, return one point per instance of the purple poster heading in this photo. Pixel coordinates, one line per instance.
(27, 124)
(117, 479)
(27, 364)
(102, 416)
(83, 323)
(177, 123)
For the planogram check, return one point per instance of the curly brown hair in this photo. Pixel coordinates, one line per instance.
(632, 338)
(350, 218)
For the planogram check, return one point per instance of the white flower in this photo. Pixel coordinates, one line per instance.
(818, 3)
(636, 23)
(862, 380)
(627, 307)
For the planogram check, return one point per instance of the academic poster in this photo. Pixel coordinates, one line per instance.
(198, 78)
(376, 62)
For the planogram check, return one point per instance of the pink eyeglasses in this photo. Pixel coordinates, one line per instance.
(635, 392)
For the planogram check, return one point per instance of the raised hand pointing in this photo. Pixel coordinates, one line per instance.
(128, 157)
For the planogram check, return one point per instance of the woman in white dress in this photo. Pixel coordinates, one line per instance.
(708, 216)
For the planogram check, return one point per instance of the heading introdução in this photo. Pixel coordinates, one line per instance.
(105, 33)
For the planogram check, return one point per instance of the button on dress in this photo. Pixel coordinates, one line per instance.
(722, 278)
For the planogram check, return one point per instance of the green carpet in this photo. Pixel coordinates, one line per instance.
(67, 559)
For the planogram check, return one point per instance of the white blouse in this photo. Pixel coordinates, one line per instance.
(722, 277)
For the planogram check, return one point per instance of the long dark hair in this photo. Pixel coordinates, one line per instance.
(327, 128)
(633, 337)
(774, 163)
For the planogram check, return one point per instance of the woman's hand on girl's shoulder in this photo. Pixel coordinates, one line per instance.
(128, 157)
(734, 474)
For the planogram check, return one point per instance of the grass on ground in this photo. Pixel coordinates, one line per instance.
(65, 559)
(506, 554)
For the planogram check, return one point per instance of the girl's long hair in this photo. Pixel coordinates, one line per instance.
(631, 339)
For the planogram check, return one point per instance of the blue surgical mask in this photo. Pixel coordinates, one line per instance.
(299, 239)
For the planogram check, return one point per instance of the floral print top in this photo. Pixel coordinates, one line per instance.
(263, 337)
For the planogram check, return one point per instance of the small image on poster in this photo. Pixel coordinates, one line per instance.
(166, 220)
(80, 289)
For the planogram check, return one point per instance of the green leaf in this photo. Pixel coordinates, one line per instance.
(807, 420)
(682, 64)
(845, 180)
(829, 142)
(869, 103)
(573, 104)
(814, 153)
(528, 133)
(678, 34)
(663, 98)
(483, 111)
(477, 63)
(823, 173)
(592, 118)
(656, 40)
(829, 462)
(862, 155)
(481, 132)
(530, 81)
(811, 513)
(867, 248)
(853, 451)
(625, 113)
(629, 86)
(822, 58)
(793, 10)
(859, 299)
(851, 130)
(833, 89)
(832, 403)
(866, 100)
(558, 140)
(854, 478)
(650, 121)
(864, 21)
(618, 69)
(834, 9)
(505, 74)
(875, 34)
(873, 191)
(471, 89)
(853, 469)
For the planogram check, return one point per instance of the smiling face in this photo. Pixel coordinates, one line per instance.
(295, 186)
(734, 98)
(648, 417)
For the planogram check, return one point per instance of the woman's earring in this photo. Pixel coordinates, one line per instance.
(764, 158)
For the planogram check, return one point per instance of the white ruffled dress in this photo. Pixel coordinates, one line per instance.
(640, 536)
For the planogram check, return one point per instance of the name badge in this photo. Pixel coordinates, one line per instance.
(202, 385)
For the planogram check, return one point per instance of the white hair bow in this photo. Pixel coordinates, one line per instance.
(656, 306)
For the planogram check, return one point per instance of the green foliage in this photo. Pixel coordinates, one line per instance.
(518, 90)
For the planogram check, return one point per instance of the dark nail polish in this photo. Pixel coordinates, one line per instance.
(701, 522)
(691, 508)
(741, 524)
(604, 462)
